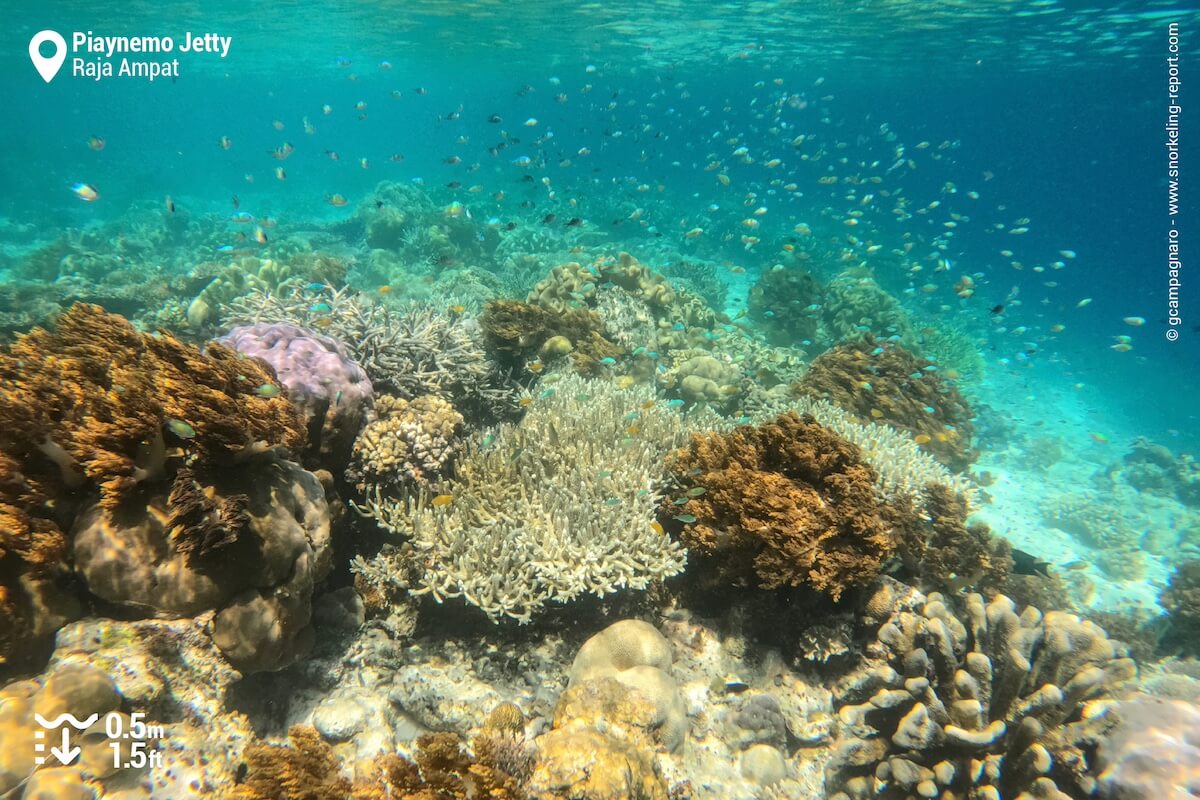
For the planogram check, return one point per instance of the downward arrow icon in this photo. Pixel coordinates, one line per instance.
(65, 754)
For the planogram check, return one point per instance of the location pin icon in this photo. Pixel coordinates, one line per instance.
(48, 67)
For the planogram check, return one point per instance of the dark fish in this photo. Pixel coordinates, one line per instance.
(574, 222)
(236, 203)
(454, 185)
(378, 204)
(453, 116)
(1029, 564)
(510, 226)
(421, 90)
(495, 118)
(526, 204)
(446, 261)
(997, 310)
(452, 160)
(546, 220)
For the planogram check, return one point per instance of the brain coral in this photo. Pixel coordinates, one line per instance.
(883, 382)
(785, 503)
(331, 391)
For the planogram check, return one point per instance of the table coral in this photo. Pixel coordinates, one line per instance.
(883, 382)
(785, 503)
(331, 390)
(981, 703)
(407, 443)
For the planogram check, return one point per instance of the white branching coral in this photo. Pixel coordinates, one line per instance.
(902, 467)
(556, 506)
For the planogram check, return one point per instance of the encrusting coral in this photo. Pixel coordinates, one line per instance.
(785, 503)
(407, 443)
(95, 402)
(516, 332)
(883, 382)
(548, 509)
(984, 704)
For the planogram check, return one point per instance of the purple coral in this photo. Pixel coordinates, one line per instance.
(330, 389)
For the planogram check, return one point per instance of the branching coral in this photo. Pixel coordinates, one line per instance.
(408, 443)
(984, 704)
(305, 768)
(409, 350)
(883, 382)
(786, 503)
(545, 510)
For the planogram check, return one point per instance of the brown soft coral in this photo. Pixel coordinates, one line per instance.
(883, 382)
(788, 503)
(96, 394)
(305, 769)
(514, 333)
(96, 401)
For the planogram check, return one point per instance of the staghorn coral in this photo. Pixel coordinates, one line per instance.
(97, 402)
(407, 443)
(331, 391)
(984, 704)
(785, 503)
(886, 383)
(545, 510)
(248, 275)
(408, 350)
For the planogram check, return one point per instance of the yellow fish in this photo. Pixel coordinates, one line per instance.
(442, 500)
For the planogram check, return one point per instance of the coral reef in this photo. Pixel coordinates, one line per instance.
(516, 333)
(786, 303)
(306, 767)
(621, 705)
(95, 402)
(408, 350)
(558, 505)
(883, 382)
(704, 379)
(1152, 752)
(854, 305)
(1181, 600)
(250, 542)
(1110, 528)
(1152, 468)
(331, 391)
(953, 348)
(407, 443)
(988, 704)
(785, 503)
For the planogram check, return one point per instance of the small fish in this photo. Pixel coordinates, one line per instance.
(225, 143)
(181, 429)
(96, 143)
(612, 501)
(1098, 438)
(531, 122)
(574, 222)
(241, 217)
(686, 519)
(680, 501)
(280, 174)
(608, 361)
(170, 204)
(546, 393)
(267, 390)
(696, 491)
(442, 500)
(657, 527)
(997, 310)
(260, 235)
(1134, 321)
(1029, 564)
(694, 232)
(676, 403)
(320, 308)
(336, 200)
(495, 119)
(1084, 302)
(85, 192)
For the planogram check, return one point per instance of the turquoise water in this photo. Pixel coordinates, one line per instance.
(997, 168)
